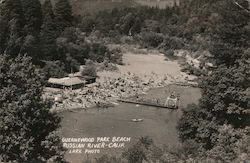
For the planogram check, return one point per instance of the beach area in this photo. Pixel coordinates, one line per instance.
(138, 74)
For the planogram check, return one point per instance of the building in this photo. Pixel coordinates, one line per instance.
(74, 82)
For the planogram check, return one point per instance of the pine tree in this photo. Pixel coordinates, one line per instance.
(48, 32)
(33, 15)
(12, 13)
(48, 9)
(63, 14)
(3, 34)
(11, 9)
(27, 125)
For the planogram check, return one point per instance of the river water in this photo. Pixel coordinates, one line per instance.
(158, 123)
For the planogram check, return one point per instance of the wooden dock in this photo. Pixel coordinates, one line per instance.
(145, 103)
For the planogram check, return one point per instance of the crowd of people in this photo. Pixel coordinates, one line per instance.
(106, 92)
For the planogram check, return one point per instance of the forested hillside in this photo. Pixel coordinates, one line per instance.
(83, 7)
(49, 35)
(38, 41)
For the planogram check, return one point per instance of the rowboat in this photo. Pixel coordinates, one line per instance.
(136, 120)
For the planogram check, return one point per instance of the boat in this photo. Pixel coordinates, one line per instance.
(136, 120)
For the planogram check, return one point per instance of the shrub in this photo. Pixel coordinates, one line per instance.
(115, 56)
(169, 53)
(89, 70)
(173, 43)
(54, 69)
(151, 39)
(98, 52)
(193, 70)
(108, 159)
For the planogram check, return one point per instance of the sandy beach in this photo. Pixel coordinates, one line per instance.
(143, 65)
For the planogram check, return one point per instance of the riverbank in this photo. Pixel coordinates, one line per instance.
(106, 91)
(139, 73)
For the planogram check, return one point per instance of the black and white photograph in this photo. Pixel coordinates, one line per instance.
(124, 81)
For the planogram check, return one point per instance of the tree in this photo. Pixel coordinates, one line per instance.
(12, 9)
(151, 39)
(229, 32)
(48, 32)
(33, 20)
(135, 154)
(31, 47)
(108, 159)
(87, 24)
(12, 12)
(228, 147)
(198, 125)
(47, 9)
(27, 126)
(63, 14)
(90, 69)
(3, 34)
(136, 28)
(127, 23)
(224, 92)
(98, 52)
(225, 100)
(33, 15)
(54, 69)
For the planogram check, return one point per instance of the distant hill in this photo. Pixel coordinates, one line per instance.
(93, 6)
(82, 7)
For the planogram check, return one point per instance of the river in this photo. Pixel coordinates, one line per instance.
(158, 123)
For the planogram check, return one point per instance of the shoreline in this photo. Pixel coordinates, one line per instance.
(117, 101)
(138, 75)
(104, 93)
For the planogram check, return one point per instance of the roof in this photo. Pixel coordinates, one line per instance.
(78, 74)
(88, 77)
(67, 81)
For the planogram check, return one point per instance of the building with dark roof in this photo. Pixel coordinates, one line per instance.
(74, 82)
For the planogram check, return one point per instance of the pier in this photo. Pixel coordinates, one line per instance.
(146, 103)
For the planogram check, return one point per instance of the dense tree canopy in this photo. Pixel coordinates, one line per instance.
(225, 91)
(12, 13)
(26, 124)
(3, 34)
(33, 16)
(63, 14)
